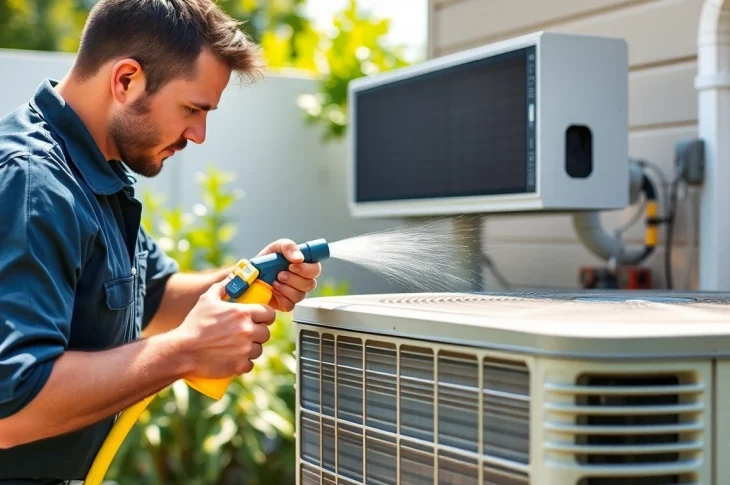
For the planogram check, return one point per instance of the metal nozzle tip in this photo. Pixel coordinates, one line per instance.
(316, 250)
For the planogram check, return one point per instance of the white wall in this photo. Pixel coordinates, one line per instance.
(294, 184)
(662, 38)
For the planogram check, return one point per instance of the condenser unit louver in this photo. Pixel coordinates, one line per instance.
(514, 389)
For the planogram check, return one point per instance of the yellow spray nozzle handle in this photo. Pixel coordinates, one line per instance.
(258, 292)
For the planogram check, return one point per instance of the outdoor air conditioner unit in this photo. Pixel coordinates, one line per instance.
(514, 389)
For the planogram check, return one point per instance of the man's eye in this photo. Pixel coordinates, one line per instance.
(192, 111)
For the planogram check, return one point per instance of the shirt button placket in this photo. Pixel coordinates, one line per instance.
(135, 301)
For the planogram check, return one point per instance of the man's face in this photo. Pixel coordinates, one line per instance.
(152, 128)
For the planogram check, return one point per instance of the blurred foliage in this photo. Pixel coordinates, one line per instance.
(197, 240)
(47, 25)
(354, 46)
(265, 20)
(184, 437)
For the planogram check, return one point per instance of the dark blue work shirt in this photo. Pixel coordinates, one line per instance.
(77, 271)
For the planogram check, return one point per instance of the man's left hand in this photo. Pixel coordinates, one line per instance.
(292, 286)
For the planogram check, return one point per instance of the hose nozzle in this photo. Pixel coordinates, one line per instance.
(315, 251)
(266, 268)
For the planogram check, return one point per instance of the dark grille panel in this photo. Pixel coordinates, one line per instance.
(640, 427)
(453, 412)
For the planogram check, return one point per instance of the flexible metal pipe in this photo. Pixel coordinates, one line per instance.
(590, 232)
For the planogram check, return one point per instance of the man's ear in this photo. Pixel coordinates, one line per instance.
(127, 81)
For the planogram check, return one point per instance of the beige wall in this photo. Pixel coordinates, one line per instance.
(661, 34)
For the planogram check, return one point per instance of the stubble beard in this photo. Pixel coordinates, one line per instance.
(135, 136)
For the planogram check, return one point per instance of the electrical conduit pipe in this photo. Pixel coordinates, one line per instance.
(713, 87)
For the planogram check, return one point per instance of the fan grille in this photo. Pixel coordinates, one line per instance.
(645, 429)
(392, 412)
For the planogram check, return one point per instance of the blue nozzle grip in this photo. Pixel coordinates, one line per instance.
(270, 265)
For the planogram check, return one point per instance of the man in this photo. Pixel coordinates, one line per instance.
(79, 277)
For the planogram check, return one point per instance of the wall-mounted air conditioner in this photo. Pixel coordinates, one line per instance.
(514, 389)
(534, 123)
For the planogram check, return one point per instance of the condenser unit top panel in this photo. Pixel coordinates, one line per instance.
(586, 324)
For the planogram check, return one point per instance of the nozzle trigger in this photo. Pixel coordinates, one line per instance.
(244, 273)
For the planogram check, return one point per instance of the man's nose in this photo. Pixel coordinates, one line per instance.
(196, 133)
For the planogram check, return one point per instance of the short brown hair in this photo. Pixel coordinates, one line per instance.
(165, 37)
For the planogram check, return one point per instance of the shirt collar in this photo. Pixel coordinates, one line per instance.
(101, 175)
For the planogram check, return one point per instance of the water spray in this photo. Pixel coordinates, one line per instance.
(421, 257)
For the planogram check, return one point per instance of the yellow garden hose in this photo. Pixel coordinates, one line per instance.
(114, 440)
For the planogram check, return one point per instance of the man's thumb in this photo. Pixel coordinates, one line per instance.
(219, 289)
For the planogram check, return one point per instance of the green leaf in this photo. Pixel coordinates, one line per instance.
(226, 232)
(252, 447)
(222, 434)
(217, 407)
(281, 423)
(223, 202)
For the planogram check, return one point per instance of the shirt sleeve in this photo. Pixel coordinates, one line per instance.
(160, 267)
(41, 242)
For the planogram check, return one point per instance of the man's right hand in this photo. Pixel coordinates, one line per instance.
(224, 338)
